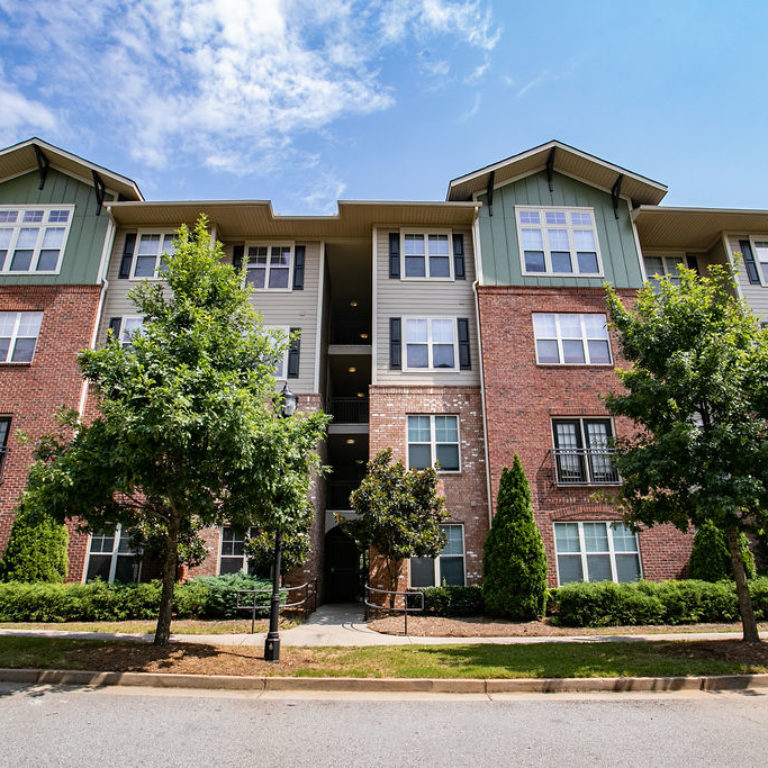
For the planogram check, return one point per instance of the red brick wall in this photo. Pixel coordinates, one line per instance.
(522, 398)
(31, 393)
(465, 492)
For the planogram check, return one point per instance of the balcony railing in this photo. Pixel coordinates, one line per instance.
(349, 410)
(337, 493)
(345, 335)
(584, 466)
(4, 451)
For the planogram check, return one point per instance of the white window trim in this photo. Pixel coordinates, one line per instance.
(269, 244)
(583, 553)
(163, 233)
(430, 368)
(559, 339)
(426, 233)
(113, 557)
(664, 256)
(15, 336)
(127, 342)
(570, 228)
(245, 558)
(433, 441)
(17, 226)
(436, 560)
(752, 240)
(287, 333)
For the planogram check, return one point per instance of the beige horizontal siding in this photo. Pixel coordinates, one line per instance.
(284, 309)
(755, 295)
(422, 298)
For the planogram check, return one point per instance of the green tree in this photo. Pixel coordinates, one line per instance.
(698, 390)
(187, 434)
(710, 559)
(36, 551)
(514, 562)
(399, 513)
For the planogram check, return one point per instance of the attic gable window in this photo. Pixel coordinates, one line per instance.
(558, 241)
(32, 239)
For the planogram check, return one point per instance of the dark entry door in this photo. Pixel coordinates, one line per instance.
(342, 567)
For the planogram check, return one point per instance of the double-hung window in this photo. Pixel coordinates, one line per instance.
(112, 557)
(33, 239)
(430, 342)
(434, 439)
(152, 249)
(596, 552)
(427, 256)
(268, 266)
(18, 336)
(657, 267)
(447, 568)
(5, 432)
(583, 452)
(281, 364)
(234, 558)
(558, 241)
(571, 339)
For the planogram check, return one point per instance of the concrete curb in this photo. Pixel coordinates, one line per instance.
(385, 685)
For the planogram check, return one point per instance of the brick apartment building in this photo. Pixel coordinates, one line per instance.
(462, 331)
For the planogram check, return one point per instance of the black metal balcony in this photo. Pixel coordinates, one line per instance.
(584, 466)
(349, 410)
(337, 493)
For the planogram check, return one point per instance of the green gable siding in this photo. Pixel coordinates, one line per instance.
(82, 253)
(498, 233)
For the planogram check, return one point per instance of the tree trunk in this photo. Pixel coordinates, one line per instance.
(163, 630)
(393, 570)
(748, 622)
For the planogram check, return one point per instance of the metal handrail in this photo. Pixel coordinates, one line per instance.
(405, 595)
(253, 607)
(583, 466)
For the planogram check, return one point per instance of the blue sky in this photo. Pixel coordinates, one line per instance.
(304, 101)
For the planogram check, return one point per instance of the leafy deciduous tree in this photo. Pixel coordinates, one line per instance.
(187, 434)
(698, 390)
(710, 559)
(514, 562)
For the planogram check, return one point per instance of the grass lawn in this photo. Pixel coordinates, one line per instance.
(600, 659)
(137, 627)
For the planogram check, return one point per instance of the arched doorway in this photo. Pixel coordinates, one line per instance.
(343, 567)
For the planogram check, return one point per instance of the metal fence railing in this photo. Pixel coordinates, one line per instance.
(349, 410)
(248, 600)
(405, 606)
(584, 466)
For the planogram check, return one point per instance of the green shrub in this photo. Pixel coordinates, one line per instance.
(221, 600)
(514, 563)
(606, 604)
(452, 601)
(36, 551)
(710, 559)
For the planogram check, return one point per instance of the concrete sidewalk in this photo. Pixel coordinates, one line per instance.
(343, 625)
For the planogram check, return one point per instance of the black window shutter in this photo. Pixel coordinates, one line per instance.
(458, 258)
(749, 262)
(395, 344)
(394, 256)
(237, 256)
(127, 261)
(298, 268)
(114, 326)
(693, 263)
(465, 363)
(293, 354)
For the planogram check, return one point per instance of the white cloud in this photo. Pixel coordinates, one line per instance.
(20, 116)
(232, 82)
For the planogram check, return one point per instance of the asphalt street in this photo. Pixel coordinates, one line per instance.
(68, 726)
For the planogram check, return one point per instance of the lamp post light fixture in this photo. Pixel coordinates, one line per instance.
(288, 404)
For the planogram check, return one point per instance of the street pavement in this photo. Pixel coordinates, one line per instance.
(343, 625)
(67, 726)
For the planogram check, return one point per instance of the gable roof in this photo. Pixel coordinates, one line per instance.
(21, 158)
(567, 160)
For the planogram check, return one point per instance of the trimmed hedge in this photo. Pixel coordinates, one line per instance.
(606, 604)
(210, 598)
(452, 601)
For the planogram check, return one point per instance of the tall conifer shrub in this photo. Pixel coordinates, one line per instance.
(710, 559)
(514, 563)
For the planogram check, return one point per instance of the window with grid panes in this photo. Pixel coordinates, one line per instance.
(430, 343)
(571, 339)
(111, 557)
(433, 438)
(596, 551)
(18, 336)
(151, 249)
(657, 267)
(448, 568)
(426, 256)
(33, 239)
(583, 451)
(268, 267)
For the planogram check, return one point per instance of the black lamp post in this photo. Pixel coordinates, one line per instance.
(288, 404)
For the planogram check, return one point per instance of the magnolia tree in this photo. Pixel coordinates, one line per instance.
(399, 513)
(188, 432)
(698, 390)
